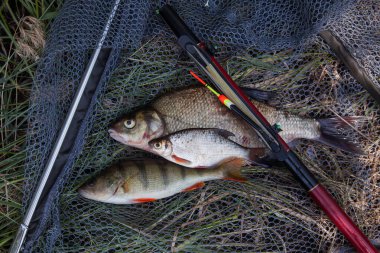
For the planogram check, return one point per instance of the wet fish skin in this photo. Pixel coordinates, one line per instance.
(136, 181)
(202, 148)
(199, 108)
(139, 129)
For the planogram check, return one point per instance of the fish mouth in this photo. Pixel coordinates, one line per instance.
(138, 144)
(116, 136)
(82, 192)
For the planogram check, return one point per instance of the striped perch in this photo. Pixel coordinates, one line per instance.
(129, 182)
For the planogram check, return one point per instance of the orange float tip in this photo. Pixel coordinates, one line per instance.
(197, 77)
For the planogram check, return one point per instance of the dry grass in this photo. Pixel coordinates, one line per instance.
(30, 38)
(272, 212)
(268, 214)
(22, 28)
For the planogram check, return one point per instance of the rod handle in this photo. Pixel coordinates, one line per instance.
(323, 198)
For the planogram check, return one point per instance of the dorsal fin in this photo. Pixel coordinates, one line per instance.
(260, 95)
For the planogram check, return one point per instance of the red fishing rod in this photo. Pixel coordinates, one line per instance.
(198, 51)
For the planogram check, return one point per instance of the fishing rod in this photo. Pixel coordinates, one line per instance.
(198, 51)
(230, 105)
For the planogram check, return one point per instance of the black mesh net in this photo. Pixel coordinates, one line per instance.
(271, 45)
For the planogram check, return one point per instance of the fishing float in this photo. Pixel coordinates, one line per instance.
(201, 55)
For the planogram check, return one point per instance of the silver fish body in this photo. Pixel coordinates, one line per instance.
(199, 108)
(202, 148)
(129, 182)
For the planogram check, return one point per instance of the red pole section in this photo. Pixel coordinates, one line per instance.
(341, 220)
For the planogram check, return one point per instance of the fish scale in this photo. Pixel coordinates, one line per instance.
(202, 148)
(199, 108)
(131, 182)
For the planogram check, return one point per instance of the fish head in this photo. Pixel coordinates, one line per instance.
(161, 146)
(102, 187)
(138, 128)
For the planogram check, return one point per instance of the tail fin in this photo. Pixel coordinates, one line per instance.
(232, 170)
(331, 135)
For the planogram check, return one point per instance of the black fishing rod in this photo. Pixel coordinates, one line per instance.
(202, 56)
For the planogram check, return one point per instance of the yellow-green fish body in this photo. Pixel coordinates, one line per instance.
(129, 182)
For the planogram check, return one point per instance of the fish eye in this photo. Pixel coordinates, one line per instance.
(157, 145)
(129, 123)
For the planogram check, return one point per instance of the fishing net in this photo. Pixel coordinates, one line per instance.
(271, 45)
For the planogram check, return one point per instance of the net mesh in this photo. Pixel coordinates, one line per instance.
(271, 45)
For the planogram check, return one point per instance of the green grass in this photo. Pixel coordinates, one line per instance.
(272, 193)
(16, 75)
(189, 221)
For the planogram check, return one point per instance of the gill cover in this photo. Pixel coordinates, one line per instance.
(155, 124)
(161, 146)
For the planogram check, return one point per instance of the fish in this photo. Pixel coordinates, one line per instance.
(197, 107)
(140, 181)
(202, 148)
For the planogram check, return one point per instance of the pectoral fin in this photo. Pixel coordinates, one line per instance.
(194, 187)
(181, 160)
(125, 186)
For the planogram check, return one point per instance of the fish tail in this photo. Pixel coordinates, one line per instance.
(232, 170)
(255, 156)
(332, 128)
